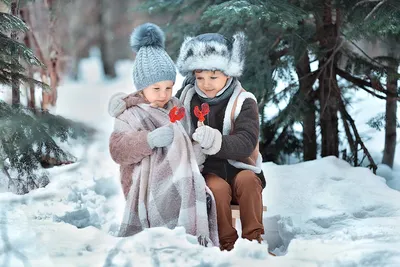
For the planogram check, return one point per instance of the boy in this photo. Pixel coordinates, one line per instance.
(212, 65)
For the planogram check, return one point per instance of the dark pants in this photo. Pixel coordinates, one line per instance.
(246, 191)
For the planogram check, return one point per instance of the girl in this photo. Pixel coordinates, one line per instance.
(160, 178)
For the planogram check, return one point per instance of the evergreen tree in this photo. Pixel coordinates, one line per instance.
(286, 36)
(270, 27)
(14, 54)
(28, 138)
(375, 22)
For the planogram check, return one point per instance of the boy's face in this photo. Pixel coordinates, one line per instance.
(159, 93)
(210, 82)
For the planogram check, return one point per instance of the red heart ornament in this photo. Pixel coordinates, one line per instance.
(176, 114)
(200, 114)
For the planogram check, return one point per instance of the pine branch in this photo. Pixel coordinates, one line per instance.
(15, 66)
(10, 22)
(24, 78)
(291, 113)
(21, 49)
(7, 2)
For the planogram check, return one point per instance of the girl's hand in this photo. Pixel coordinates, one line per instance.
(161, 137)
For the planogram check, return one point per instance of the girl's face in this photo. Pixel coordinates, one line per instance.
(210, 82)
(159, 93)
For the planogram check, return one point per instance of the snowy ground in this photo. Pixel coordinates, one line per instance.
(320, 213)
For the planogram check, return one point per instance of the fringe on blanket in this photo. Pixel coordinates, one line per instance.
(205, 241)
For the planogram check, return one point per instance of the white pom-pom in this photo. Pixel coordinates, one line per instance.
(147, 34)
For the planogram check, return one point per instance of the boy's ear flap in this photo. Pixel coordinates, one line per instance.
(239, 45)
(184, 54)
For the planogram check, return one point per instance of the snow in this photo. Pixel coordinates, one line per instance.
(320, 213)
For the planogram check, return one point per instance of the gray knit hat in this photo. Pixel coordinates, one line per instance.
(152, 63)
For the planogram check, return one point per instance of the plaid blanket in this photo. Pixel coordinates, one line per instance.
(166, 188)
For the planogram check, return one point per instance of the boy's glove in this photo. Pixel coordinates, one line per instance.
(117, 105)
(161, 137)
(209, 138)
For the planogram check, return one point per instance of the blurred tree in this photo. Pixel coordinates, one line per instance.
(106, 33)
(12, 52)
(28, 140)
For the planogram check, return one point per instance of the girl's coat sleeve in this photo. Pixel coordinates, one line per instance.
(128, 146)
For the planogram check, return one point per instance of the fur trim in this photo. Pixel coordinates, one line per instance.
(238, 50)
(227, 125)
(212, 55)
(147, 34)
(117, 105)
(244, 166)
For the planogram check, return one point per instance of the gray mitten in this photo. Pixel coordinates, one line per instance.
(209, 138)
(117, 105)
(161, 137)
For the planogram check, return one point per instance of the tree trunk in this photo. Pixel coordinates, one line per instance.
(328, 87)
(309, 137)
(30, 92)
(105, 36)
(391, 117)
(50, 98)
(54, 78)
(16, 99)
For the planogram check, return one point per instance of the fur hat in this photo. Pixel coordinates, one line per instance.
(213, 51)
(152, 63)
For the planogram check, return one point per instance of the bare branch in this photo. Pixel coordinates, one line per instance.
(357, 135)
(378, 64)
(276, 42)
(363, 84)
(278, 54)
(366, 1)
(374, 9)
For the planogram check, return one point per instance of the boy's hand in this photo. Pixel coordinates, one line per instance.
(117, 105)
(161, 137)
(209, 138)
